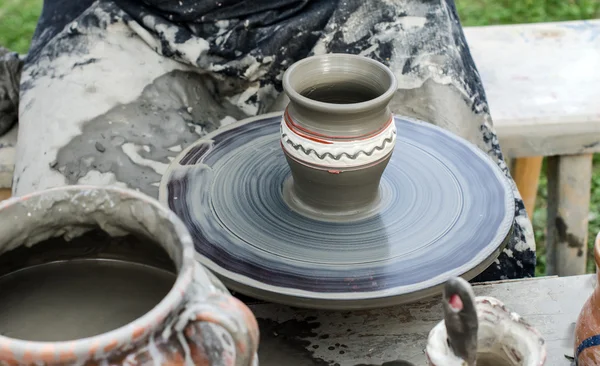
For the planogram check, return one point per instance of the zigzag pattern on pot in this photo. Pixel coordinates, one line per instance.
(308, 151)
(338, 154)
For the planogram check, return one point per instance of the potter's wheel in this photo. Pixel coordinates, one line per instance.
(446, 210)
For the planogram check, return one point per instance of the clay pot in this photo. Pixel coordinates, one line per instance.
(92, 275)
(587, 329)
(503, 339)
(337, 133)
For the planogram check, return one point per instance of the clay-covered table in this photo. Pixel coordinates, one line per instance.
(298, 337)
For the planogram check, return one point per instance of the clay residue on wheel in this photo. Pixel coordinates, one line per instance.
(137, 141)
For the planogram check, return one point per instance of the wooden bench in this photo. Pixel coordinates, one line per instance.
(542, 82)
(297, 337)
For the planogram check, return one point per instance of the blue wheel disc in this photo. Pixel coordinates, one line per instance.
(446, 210)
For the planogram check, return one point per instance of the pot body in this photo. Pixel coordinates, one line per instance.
(337, 134)
(504, 339)
(587, 328)
(63, 233)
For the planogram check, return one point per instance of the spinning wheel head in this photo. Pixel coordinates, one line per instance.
(445, 210)
(336, 203)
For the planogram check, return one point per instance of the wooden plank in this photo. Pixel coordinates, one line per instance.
(526, 173)
(5, 193)
(569, 185)
(539, 79)
(298, 337)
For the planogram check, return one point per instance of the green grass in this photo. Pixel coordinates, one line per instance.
(487, 12)
(17, 23)
(18, 19)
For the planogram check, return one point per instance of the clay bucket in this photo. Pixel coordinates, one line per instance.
(123, 289)
(587, 329)
(338, 134)
(503, 339)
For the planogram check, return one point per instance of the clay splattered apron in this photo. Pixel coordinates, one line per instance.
(111, 91)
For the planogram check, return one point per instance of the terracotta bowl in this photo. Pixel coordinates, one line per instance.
(587, 330)
(92, 275)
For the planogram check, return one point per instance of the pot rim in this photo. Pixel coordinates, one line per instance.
(296, 97)
(95, 346)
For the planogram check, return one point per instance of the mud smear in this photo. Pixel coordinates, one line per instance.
(566, 237)
(174, 111)
(10, 75)
(287, 344)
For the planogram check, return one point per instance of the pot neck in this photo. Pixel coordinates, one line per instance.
(339, 96)
(331, 124)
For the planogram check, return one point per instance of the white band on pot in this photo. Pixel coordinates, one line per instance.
(331, 154)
